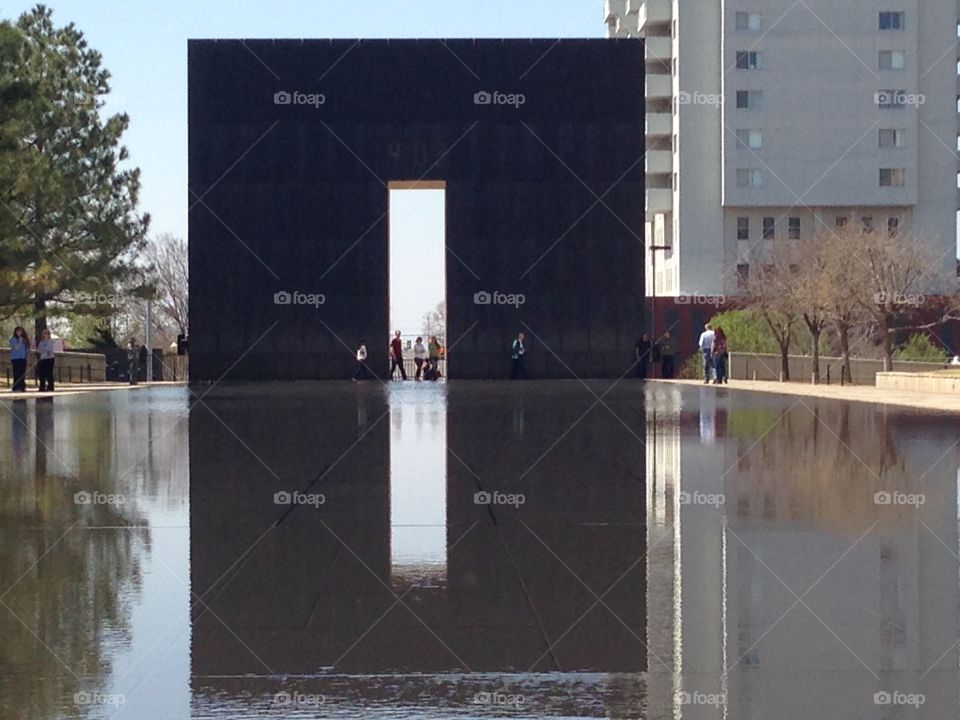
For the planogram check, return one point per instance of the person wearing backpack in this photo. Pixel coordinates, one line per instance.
(517, 351)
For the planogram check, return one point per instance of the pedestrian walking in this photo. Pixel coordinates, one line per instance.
(517, 351)
(668, 350)
(433, 351)
(362, 372)
(642, 352)
(419, 356)
(719, 352)
(396, 356)
(45, 357)
(705, 345)
(133, 360)
(19, 351)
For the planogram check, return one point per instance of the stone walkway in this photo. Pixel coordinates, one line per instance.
(854, 393)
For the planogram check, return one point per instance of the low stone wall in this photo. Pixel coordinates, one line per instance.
(743, 366)
(67, 367)
(919, 382)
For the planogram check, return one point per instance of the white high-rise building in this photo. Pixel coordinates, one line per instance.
(773, 120)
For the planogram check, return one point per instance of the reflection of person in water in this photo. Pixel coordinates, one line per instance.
(18, 429)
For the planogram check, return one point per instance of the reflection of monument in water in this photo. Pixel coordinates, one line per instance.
(401, 569)
(878, 584)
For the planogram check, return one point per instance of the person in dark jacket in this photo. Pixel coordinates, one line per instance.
(718, 352)
(668, 350)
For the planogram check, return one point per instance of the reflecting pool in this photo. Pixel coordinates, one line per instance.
(474, 549)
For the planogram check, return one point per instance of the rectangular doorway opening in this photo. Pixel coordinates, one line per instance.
(418, 278)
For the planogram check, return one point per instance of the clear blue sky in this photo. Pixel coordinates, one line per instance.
(144, 46)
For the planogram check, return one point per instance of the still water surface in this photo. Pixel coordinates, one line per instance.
(476, 550)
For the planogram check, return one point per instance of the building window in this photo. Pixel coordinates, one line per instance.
(752, 139)
(866, 222)
(749, 99)
(893, 20)
(891, 138)
(841, 222)
(676, 181)
(749, 178)
(769, 225)
(893, 226)
(749, 60)
(673, 31)
(793, 228)
(751, 21)
(743, 276)
(893, 177)
(743, 228)
(892, 60)
(892, 99)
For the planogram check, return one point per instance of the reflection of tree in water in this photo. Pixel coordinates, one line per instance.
(79, 579)
(821, 464)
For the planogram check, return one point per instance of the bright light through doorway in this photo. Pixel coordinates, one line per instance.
(417, 270)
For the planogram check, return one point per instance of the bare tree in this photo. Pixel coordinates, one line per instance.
(167, 253)
(771, 295)
(435, 321)
(892, 286)
(841, 274)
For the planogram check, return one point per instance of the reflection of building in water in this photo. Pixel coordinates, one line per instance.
(418, 485)
(417, 562)
(802, 590)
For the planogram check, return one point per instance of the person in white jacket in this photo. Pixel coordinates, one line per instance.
(362, 373)
(706, 349)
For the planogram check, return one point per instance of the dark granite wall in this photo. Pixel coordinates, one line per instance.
(544, 198)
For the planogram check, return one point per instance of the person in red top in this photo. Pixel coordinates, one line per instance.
(396, 356)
